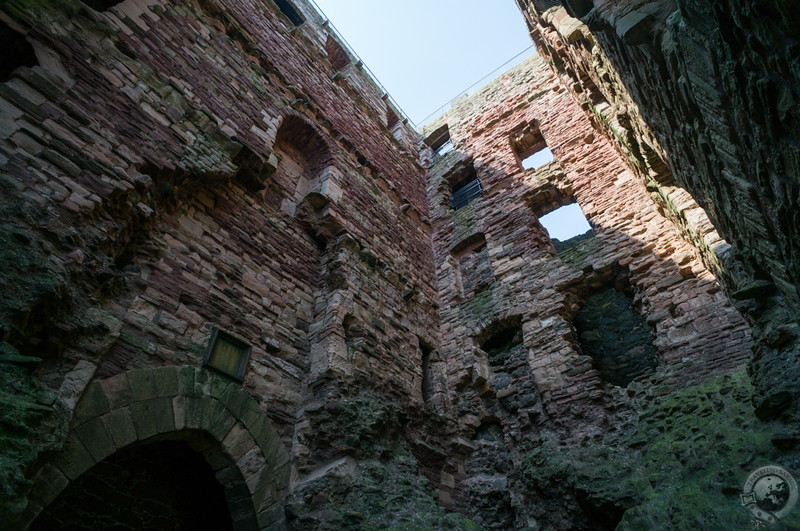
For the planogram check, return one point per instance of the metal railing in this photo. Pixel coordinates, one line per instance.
(441, 110)
(361, 62)
(465, 194)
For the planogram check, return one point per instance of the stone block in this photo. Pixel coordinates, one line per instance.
(266, 494)
(142, 382)
(92, 403)
(235, 398)
(634, 28)
(272, 517)
(119, 426)
(74, 459)
(194, 408)
(144, 419)
(217, 420)
(95, 438)
(179, 411)
(166, 381)
(163, 414)
(118, 390)
(252, 465)
(186, 380)
(238, 441)
(219, 384)
(48, 483)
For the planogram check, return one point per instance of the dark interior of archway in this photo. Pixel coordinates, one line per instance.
(163, 485)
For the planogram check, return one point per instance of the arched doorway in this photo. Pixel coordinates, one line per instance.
(164, 485)
(197, 424)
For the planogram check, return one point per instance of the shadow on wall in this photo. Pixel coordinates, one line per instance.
(563, 340)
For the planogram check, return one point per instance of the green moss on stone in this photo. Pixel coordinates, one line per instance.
(386, 493)
(22, 407)
(681, 466)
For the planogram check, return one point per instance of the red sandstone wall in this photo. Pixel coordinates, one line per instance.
(698, 333)
(138, 160)
(707, 89)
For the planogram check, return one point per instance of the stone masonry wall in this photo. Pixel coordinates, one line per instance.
(707, 91)
(169, 166)
(636, 247)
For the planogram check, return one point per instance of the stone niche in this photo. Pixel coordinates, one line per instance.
(473, 264)
(510, 375)
(616, 336)
(17, 52)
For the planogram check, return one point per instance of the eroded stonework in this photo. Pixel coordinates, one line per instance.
(416, 350)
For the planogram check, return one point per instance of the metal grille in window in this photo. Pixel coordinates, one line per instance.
(543, 5)
(463, 195)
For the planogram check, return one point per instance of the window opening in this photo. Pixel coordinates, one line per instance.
(391, 117)
(474, 265)
(466, 187)
(427, 381)
(447, 147)
(565, 222)
(538, 159)
(227, 354)
(439, 141)
(17, 52)
(530, 147)
(304, 157)
(290, 12)
(616, 336)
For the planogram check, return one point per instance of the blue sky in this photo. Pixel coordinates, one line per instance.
(425, 52)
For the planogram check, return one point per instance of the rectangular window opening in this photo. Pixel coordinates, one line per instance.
(465, 191)
(447, 147)
(530, 147)
(290, 12)
(538, 159)
(439, 141)
(566, 222)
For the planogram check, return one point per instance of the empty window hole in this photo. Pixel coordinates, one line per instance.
(565, 222)
(538, 159)
(290, 12)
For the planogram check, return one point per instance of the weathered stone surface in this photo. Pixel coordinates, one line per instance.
(171, 168)
(562, 377)
(705, 97)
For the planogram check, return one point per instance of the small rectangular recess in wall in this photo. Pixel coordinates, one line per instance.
(337, 55)
(289, 10)
(17, 52)
(227, 354)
